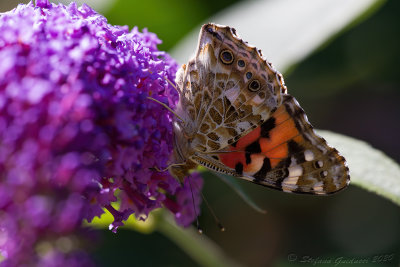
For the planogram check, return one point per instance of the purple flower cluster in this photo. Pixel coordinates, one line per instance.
(77, 131)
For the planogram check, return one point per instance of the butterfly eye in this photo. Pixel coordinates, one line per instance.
(241, 63)
(226, 57)
(254, 86)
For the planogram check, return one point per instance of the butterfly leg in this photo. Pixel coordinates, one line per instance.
(155, 168)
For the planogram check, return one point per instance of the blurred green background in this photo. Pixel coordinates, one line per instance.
(351, 85)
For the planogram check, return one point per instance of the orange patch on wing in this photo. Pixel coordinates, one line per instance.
(256, 163)
(248, 139)
(277, 154)
(233, 158)
(275, 147)
(299, 139)
(280, 115)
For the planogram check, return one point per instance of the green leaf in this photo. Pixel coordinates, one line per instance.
(369, 168)
(232, 182)
(286, 31)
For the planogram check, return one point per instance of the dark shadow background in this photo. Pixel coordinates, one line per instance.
(351, 86)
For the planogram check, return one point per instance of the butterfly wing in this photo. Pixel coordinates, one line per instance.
(227, 90)
(240, 121)
(285, 153)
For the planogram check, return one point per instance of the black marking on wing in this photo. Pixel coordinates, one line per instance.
(279, 181)
(296, 149)
(281, 172)
(295, 111)
(239, 168)
(233, 144)
(253, 148)
(284, 164)
(216, 35)
(267, 126)
(262, 173)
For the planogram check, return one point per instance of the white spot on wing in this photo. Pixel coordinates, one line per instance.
(232, 93)
(308, 155)
(318, 188)
(295, 171)
(243, 125)
(257, 100)
(291, 180)
(321, 148)
(289, 184)
(287, 189)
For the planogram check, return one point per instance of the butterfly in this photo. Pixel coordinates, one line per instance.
(235, 117)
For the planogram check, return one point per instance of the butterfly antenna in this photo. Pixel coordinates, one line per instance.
(217, 221)
(173, 85)
(165, 106)
(194, 207)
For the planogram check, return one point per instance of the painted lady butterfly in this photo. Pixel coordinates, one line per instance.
(235, 117)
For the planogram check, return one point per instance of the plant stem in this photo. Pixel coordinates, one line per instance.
(201, 249)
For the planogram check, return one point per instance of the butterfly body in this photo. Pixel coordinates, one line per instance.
(237, 119)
